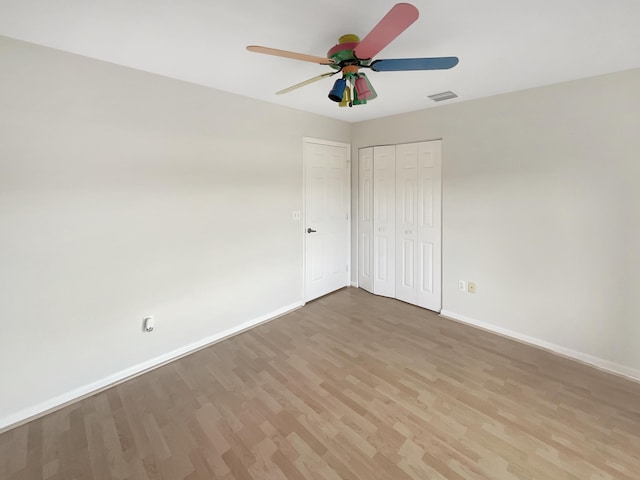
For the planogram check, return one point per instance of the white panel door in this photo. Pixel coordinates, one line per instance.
(365, 219)
(327, 201)
(384, 220)
(429, 215)
(406, 222)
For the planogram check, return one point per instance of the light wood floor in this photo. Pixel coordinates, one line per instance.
(352, 386)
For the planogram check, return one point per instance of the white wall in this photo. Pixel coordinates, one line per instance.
(124, 194)
(541, 208)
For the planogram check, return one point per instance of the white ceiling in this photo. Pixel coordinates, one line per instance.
(503, 45)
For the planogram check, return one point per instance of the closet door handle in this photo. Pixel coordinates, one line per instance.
(310, 230)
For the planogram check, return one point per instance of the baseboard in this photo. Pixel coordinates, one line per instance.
(354, 284)
(599, 363)
(28, 414)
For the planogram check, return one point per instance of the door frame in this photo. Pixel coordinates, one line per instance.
(331, 143)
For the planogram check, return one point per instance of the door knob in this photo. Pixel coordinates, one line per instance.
(310, 230)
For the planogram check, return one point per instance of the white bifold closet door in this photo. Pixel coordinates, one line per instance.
(406, 219)
(430, 225)
(365, 219)
(384, 219)
(400, 222)
(419, 224)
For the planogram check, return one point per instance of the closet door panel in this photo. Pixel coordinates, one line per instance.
(384, 219)
(429, 225)
(406, 222)
(365, 219)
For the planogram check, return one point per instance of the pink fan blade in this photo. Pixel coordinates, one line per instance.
(399, 18)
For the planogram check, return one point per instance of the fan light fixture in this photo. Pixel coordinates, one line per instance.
(346, 98)
(362, 87)
(337, 92)
(357, 100)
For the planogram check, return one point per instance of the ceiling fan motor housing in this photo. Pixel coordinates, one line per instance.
(342, 52)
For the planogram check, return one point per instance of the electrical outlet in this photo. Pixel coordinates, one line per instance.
(462, 285)
(471, 287)
(297, 215)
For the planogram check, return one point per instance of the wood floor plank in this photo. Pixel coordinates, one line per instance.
(352, 386)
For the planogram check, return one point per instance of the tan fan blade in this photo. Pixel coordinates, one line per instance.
(284, 53)
(306, 82)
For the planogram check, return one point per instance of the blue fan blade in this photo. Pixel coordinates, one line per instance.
(398, 64)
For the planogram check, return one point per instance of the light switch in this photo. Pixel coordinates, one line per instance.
(148, 324)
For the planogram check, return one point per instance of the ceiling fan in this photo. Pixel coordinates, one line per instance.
(351, 54)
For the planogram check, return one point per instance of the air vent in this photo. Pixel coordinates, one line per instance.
(439, 97)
